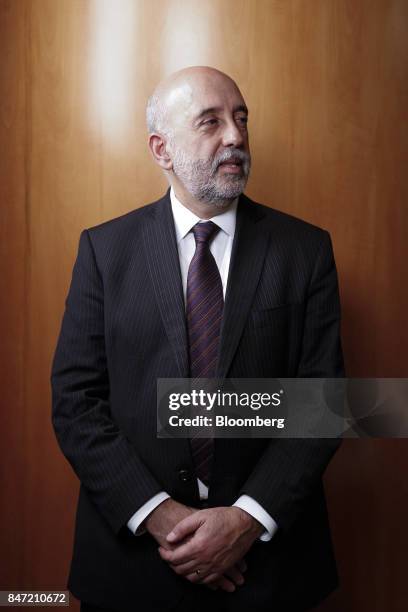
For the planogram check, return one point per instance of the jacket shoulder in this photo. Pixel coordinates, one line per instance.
(285, 223)
(129, 221)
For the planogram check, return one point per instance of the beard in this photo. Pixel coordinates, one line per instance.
(203, 180)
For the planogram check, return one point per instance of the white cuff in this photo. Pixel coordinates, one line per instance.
(202, 489)
(139, 516)
(247, 503)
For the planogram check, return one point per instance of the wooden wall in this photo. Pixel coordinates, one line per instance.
(326, 84)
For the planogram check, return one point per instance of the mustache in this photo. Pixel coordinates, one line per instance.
(226, 156)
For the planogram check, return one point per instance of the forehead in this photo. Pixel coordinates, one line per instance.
(189, 98)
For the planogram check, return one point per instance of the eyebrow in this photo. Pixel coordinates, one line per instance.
(217, 109)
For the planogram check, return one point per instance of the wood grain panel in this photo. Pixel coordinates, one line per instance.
(327, 86)
(14, 250)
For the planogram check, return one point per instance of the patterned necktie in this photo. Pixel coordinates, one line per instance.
(205, 304)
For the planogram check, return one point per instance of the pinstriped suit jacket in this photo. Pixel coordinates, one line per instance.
(123, 327)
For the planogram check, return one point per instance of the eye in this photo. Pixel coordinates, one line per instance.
(210, 122)
(243, 120)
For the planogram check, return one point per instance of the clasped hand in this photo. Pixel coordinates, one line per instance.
(213, 541)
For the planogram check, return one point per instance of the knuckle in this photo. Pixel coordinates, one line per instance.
(200, 546)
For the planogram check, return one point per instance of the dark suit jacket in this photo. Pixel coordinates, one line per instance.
(124, 326)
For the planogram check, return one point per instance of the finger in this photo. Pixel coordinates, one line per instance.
(187, 568)
(163, 552)
(235, 575)
(177, 556)
(194, 577)
(180, 555)
(188, 525)
(220, 581)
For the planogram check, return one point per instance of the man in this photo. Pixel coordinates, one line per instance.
(202, 283)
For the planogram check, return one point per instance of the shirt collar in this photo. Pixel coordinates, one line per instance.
(185, 219)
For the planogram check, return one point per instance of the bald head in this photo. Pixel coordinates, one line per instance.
(175, 94)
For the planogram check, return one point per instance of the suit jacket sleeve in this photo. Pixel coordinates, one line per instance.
(106, 463)
(290, 469)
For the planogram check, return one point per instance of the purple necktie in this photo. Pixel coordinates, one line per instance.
(204, 313)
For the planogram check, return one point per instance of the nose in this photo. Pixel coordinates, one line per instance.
(232, 135)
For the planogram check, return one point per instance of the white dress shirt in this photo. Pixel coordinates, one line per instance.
(220, 247)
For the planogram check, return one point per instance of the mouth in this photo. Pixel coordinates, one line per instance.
(233, 165)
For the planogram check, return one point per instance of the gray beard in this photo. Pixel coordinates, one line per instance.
(200, 178)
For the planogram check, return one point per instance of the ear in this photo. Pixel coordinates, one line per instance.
(157, 145)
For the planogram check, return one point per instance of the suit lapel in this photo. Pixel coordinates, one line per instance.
(248, 254)
(164, 268)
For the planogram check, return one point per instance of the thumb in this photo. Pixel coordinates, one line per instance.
(188, 525)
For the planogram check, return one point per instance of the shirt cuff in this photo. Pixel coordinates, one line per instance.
(135, 521)
(247, 503)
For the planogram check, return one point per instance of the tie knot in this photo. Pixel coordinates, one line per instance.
(203, 232)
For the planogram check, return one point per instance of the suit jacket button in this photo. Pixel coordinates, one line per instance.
(185, 475)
